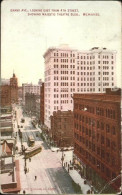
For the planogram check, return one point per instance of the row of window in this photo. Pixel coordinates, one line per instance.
(63, 101)
(72, 84)
(94, 161)
(110, 113)
(85, 57)
(82, 73)
(82, 78)
(82, 67)
(96, 148)
(82, 62)
(90, 132)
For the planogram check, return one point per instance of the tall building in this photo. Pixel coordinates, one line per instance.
(14, 89)
(97, 137)
(42, 105)
(30, 88)
(69, 71)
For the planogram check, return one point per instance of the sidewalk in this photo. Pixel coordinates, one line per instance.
(74, 173)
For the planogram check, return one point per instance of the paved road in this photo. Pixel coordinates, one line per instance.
(51, 177)
(26, 134)
(46, 165)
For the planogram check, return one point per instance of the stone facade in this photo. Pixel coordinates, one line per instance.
(69, 71)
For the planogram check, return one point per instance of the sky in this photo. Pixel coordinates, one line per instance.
(25, 38)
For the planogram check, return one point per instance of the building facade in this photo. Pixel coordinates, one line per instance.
(62, 128)
(14, 89)
(42, 105)
(38, 109)
(5, 95)
(9, 91)
(69, 71)
(97, 135)
(20, 93)
(6, 124)
(30, 103)
(30, 88)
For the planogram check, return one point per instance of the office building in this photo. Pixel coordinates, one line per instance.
(69, 71)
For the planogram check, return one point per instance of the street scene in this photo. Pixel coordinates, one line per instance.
(45, 174)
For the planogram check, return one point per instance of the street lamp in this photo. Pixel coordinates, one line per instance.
(62, 158)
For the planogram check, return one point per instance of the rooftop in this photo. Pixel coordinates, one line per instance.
(65, 47)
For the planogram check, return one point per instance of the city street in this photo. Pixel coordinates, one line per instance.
(46, 165)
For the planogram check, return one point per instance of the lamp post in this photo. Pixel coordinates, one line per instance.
(62, 158)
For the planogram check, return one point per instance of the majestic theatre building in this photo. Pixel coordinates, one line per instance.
(97, 134)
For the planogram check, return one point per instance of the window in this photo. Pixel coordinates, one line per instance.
(113, 130)
(107, 128)
(107, 142)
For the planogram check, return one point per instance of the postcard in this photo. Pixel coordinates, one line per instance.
(60, 97)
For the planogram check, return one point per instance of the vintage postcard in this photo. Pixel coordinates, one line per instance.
(60, 115)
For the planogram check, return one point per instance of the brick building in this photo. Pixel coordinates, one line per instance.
(9, 91)
(97, 137)
(14, 89)
(42, 104)
(5, 95)
(62, 128)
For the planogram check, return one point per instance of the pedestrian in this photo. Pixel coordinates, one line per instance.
(23, 191)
